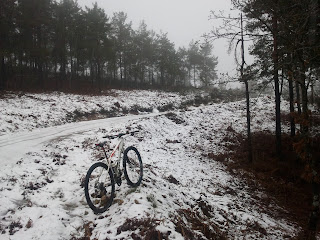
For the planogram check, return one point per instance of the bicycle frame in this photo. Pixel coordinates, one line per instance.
(120, 147)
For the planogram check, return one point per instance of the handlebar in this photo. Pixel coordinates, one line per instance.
(120, 135)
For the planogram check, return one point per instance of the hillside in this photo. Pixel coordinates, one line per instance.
(188, 192)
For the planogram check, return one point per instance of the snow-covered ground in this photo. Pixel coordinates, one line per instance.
(26, 111)
(184, 194)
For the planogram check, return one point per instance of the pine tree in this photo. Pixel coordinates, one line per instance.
(7, 35)
(122, 37)
(97, 42)
(208, 63)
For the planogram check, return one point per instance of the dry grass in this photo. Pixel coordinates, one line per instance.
(281, 181)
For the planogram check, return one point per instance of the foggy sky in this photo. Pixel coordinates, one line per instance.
(183, 20)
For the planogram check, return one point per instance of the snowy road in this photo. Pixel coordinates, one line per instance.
(14, 146)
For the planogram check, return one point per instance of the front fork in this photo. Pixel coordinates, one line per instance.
(115, 168)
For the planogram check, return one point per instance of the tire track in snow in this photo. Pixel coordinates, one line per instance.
(14, 146)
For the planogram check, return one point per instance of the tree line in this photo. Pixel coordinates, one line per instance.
(46, 44)
(285, 38)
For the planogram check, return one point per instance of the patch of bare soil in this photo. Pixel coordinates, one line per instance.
(281, 181)
(146, 229)
(193, 226)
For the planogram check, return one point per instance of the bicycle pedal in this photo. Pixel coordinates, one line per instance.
(118, 181)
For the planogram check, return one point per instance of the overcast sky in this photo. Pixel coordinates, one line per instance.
(183, 20)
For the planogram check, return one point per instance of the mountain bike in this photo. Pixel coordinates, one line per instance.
(101, 177)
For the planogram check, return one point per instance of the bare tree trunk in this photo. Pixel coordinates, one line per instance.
(298, 99)
(91, 73)
(275, 57)
(291, 97)
(245, 80)
(40, 59)
(2, 74)
(194, 75)
(114, 70)
(152, 77)
(312, 91)
(62, 73)
(314, 216)
(120, 62)
(125, 77)
(71, 71)
(313, 220)
(99, 75)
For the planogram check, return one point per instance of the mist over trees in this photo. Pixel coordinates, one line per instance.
(53, 45)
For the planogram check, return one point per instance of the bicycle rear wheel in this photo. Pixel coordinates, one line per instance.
(99, 187)
(132, 165)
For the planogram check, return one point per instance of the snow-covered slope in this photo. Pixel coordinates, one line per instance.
(184, 194)
(26, 111)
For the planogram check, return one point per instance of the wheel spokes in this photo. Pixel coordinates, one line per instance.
(133, 167)
(100, 189)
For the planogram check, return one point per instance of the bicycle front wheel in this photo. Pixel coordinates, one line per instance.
(132, 165)
(99, 187)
